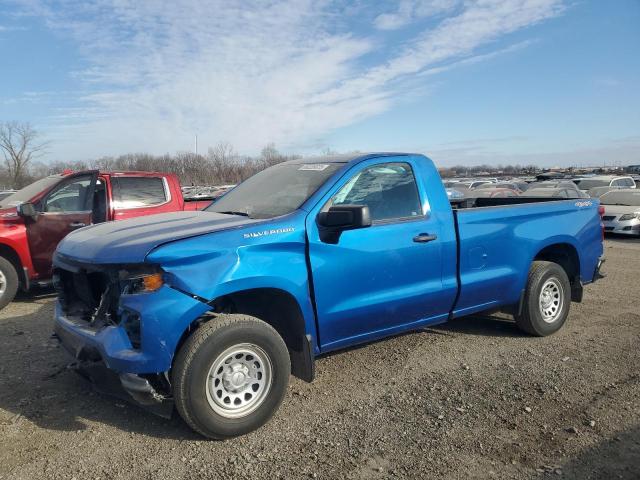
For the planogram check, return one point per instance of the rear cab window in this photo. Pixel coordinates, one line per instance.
(139, 192)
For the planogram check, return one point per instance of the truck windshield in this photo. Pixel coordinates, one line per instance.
(275, 191)
(30, 191)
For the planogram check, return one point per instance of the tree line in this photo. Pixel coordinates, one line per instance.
(22, 145)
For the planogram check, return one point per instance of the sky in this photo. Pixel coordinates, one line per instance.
(546, 82)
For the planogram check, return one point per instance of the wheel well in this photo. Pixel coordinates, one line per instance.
(280, 310)
(11, 255)
(565, 255)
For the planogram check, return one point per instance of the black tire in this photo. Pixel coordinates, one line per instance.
(8, 279)
(532, 318)
(195, 360)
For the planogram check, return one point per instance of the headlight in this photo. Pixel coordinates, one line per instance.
(629, 216)
(141, 279)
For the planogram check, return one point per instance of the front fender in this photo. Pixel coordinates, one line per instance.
(222, 263)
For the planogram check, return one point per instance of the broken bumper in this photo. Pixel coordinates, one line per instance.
(163, 315)
(105, 355)
(129, 387)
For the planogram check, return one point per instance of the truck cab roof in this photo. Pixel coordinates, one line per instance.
(345, 158)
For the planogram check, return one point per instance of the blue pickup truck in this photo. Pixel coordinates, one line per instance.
(211, 311)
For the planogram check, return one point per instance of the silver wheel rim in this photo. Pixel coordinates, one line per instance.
(239, 380)
(3, 283)
(551, 300)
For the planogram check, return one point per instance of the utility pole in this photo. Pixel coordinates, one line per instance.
(196, 145)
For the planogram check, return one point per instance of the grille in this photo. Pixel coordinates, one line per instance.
(89, 296)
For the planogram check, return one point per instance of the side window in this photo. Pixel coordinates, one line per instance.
(69, 197)
(389, 190)
(135, 192)
(628, 182)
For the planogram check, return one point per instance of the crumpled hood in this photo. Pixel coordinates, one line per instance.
(129, 241)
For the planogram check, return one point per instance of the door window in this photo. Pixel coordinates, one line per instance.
(389, 190)
(69, 197)
(135, 192)
(626, 182)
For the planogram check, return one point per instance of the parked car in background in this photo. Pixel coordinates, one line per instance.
(34, 220)
(454, 193)
(471, 184)
(492, 192)
(5, 193)
(205, 192)
(622, 211)
(586, 184)
(554, 192)
(509, 185)
(523, 186)
(597, 192)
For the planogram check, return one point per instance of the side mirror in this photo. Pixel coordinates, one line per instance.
(27, 210)
(340, 218)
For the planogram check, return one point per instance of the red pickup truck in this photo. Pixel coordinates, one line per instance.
(34, 220)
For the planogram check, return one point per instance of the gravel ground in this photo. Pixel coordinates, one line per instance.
(472, 399)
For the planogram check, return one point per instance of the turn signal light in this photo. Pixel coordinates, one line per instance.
(152, 282)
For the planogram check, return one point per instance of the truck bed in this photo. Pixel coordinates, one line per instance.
(498, 238)
(462, 203)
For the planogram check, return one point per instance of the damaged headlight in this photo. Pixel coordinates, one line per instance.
(143, 279)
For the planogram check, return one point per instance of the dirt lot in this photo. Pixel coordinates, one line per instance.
(473, 399)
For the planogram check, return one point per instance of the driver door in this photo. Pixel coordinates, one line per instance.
(65, 208)
(378, 280)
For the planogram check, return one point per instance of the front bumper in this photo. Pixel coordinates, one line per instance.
(164, 317)
(629, 227)
(105, 354)
(129, 387)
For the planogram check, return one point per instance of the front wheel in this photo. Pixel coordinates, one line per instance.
(8, 282)
(546, 301)
(230, 376)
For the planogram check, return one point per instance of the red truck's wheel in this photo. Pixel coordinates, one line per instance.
(546, 301)
(8, 282)
(230, 376)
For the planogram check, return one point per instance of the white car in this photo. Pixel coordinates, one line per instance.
(621, 211)
(586, 184)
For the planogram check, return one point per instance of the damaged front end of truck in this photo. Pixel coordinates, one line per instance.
(99, 321)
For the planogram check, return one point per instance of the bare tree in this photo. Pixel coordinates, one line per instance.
(20, 143)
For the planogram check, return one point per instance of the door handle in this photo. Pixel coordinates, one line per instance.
(77, 224)
(424, 238)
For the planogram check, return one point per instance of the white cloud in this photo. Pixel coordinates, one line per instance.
(411, 10)
(250, 72)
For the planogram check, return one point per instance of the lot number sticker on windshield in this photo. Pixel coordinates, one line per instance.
(316, 167)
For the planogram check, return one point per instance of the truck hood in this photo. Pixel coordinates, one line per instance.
(129, 241)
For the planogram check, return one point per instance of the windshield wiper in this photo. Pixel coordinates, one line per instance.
(242, 214)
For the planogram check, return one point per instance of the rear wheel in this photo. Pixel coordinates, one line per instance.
(230, 376)
(8, 282)
(546, 301)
